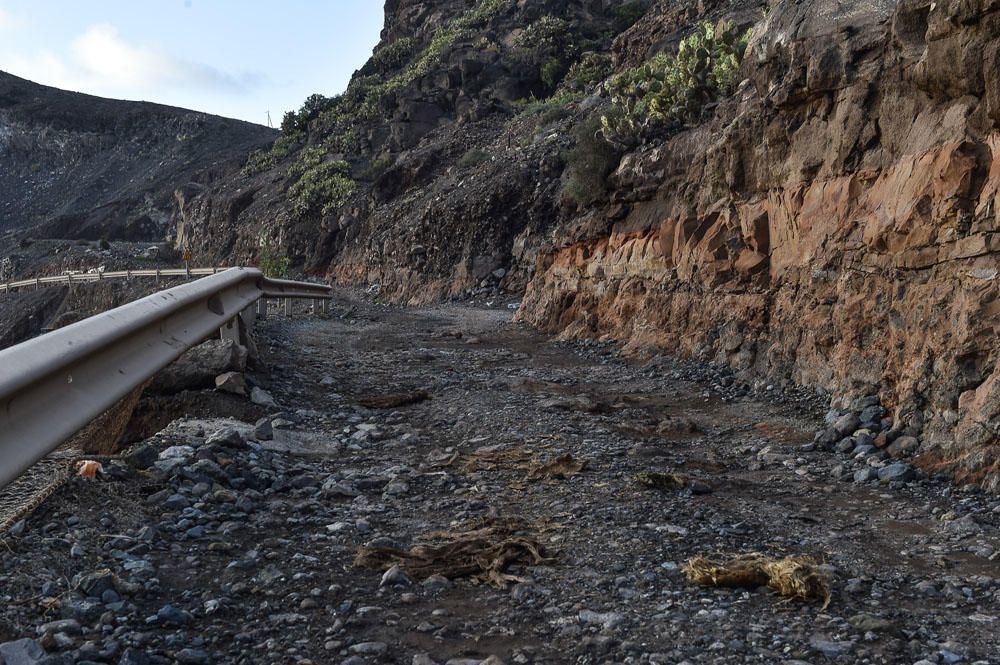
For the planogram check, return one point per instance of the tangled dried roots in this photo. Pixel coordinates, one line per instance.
(792, 576)
(483, 554)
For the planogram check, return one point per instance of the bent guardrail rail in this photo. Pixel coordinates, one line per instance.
(87, 277)
(52, 386)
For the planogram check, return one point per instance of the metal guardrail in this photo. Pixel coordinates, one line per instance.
(52, 386)
(84, 277)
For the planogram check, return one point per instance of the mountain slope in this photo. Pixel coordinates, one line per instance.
(78, 166)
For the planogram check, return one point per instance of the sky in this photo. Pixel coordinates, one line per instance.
(235, 58)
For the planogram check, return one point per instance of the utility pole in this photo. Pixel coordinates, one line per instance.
(269, 120)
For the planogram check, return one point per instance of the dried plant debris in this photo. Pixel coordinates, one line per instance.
(666, 482)
(394, 400)
(518, 458)
(560, 468)
(792, 576)
(483, 553)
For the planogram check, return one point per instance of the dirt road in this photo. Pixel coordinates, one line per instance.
(497, 450)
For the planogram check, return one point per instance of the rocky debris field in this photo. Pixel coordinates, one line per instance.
(502, 498)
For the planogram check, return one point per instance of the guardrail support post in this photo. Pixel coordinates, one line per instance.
(288, 306)
(249, 316)
(231, 330)
(262, 309)
(325, 305)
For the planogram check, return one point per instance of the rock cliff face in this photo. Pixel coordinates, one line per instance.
(836, 224)
(77, 166)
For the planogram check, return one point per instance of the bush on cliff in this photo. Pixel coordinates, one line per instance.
(321, 185)
(272, 262)
(589, 163)
(667, 92)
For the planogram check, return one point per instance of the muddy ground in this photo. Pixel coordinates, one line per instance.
(258, 557)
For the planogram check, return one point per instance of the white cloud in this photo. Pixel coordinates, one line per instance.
(8, 21)
(100, 61)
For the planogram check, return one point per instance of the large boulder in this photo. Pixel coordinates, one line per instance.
(198, 368)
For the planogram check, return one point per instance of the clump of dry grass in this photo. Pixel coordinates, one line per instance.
(661, 481)
(792, 576)
(560, 468)
(483, 553)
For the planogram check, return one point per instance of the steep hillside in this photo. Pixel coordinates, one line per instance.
(77, 166)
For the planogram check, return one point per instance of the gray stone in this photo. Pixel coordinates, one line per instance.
(872, 414)
(95, 583)
(21, 652)
(171, 616)
(197, 368)
(263, 430)
(231, 382)
(846, 424)
(369, 648)
(607, 620)
(899, 471)
(904, 445)
(142, 457)
(261, 397)
(68, 626)
(191, 657)
(865, 475)
(227, 437)
(176, 502)
(395, 577)
(831, 649)
(845, 445)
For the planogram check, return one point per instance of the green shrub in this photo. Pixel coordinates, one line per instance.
(394, 55)
(546, 33)
(321, 187)
(299, 121)
(589, 163)
(552, 73)
(272, 262)
(473, 157)
(258, 162)
(668, 91)
(378, 167)
(550, 109)
(626, 15)
(547, 46)
(589, 69)
(441, 43)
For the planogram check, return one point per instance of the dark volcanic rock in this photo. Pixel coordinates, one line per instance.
(71, 162)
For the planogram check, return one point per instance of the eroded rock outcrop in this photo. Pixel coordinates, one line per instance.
(836, 224)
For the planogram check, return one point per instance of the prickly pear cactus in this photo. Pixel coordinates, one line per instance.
(667, 92)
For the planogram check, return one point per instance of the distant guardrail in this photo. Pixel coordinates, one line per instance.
(52, 386)
(73, 277)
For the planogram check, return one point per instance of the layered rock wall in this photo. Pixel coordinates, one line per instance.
(836, 225)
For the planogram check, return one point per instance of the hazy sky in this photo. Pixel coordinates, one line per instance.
(237, 58)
